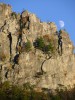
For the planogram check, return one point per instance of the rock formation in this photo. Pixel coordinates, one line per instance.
(59, 70)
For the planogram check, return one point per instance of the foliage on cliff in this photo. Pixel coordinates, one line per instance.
(13, 92)
(45, 44)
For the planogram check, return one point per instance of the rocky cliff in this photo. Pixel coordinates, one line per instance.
(20, 65)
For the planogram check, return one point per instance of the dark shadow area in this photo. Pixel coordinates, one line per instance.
(6, 74)
(2, 27)
(1, 67)
(19, 40)
(15, 60)
(10, 41)
(38, 74)
(59, 44)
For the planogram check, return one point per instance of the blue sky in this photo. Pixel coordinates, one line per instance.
(49, 10)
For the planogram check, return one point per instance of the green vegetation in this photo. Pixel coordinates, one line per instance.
(39, 43)
(60, 31)
(10, 92)
(27, 46)
(14, 15)
(27, 92)
(27, 86)
(47, 46)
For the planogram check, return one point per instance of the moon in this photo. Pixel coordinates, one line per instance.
(61, 23)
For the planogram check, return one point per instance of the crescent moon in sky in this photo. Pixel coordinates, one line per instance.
(61, 23)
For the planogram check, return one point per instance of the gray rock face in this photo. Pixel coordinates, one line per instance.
(58, 70)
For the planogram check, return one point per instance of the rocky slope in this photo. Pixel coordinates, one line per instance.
(59, 70)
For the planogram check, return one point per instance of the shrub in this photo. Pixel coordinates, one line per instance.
(6, 85)
(45, 44)
(38, 96)
(39, 43)
(8, 92)
(48, 48)
(56, 97)
(27, 46)
(27, 86)
(17, 93)
(14, 15)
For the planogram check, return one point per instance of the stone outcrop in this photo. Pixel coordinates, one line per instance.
(59, 71)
